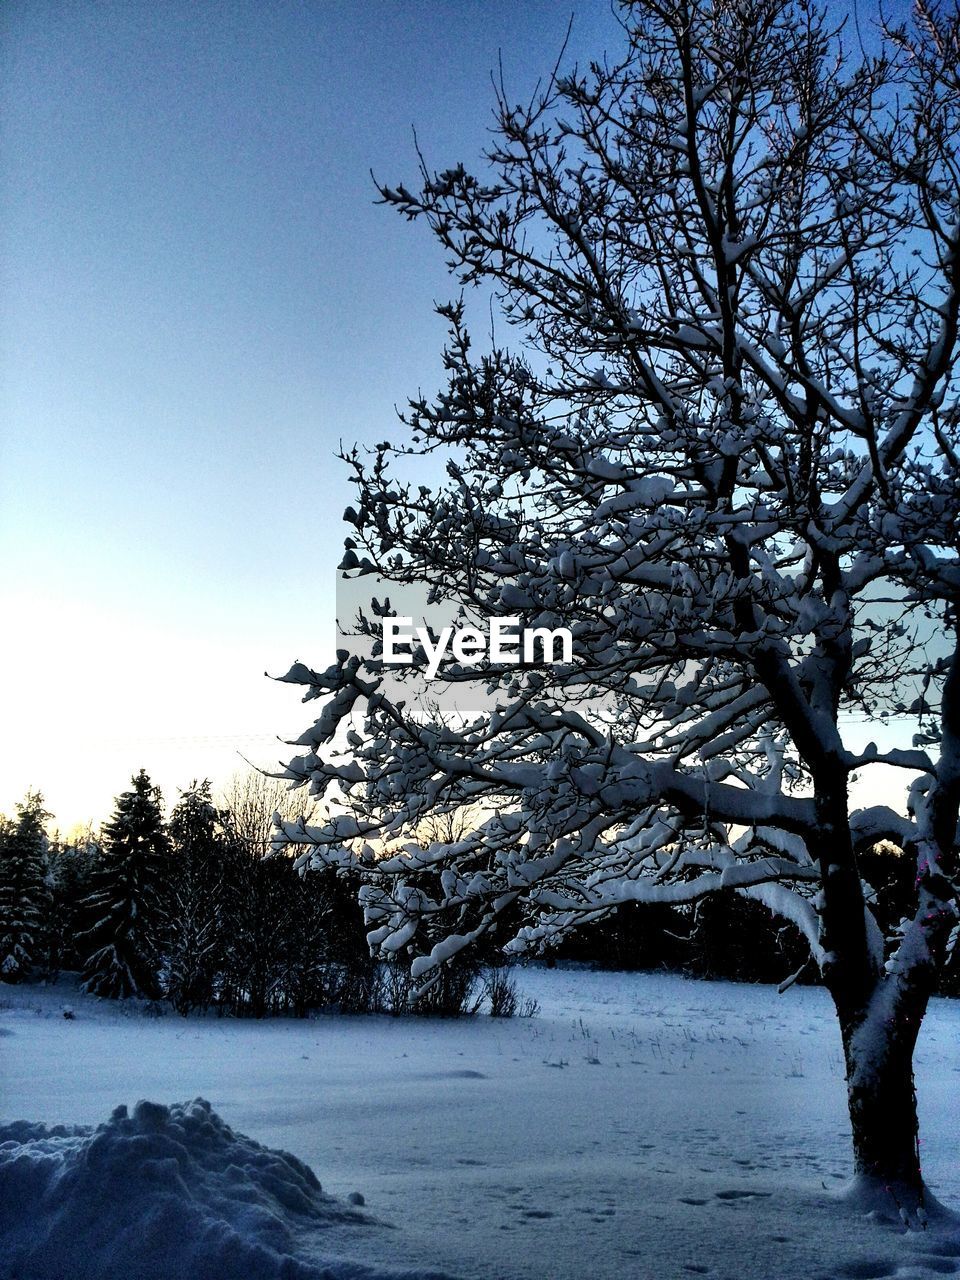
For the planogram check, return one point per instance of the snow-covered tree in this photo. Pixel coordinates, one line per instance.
(24, 895)
(725, 452)
(121, 918)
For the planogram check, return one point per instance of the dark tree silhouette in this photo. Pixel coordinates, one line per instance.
(24, 893)
(197, 925)
(123, 913)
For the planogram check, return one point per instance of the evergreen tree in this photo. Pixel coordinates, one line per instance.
(123, 912)
(23, 889)
(194, 907)
(69, 869)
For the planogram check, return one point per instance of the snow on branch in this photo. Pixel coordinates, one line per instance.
(721, 452)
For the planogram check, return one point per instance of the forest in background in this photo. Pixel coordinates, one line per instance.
(196, 910)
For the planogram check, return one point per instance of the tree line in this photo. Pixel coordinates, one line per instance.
(198, 911)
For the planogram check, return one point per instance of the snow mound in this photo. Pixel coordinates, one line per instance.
(897, 1203)
(169, 1191)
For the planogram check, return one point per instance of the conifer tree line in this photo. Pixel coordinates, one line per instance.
(198, 911)
(193, 910)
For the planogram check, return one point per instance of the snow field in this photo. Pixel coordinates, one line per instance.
(642, 1125)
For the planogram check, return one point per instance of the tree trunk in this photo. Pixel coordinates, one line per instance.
(882, 1100)
(883, 1119)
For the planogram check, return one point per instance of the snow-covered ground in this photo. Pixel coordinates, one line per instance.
(640, 1126)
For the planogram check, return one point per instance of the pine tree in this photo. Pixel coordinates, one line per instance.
(23, 890)
(194, 908)
(123, 912)
(70, 866)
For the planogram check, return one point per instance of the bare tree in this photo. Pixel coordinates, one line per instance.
(252, 798)
(724, 453)
(262, 896)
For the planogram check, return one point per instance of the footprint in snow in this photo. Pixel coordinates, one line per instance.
(736, 1193)
(941, 1265)
(867, 1269)
(448, 1075)
(945, 1248)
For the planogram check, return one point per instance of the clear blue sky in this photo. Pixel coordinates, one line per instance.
(200, 300)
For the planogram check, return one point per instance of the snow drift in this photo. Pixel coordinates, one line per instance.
(167, 1191)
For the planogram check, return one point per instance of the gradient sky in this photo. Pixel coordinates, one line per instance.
(201, 300)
